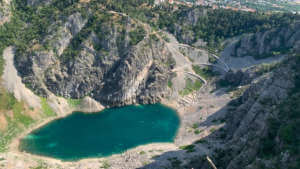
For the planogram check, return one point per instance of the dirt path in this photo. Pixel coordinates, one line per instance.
(226, 69)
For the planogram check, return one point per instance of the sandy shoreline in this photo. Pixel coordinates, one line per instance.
(183, 137)
(194, 109)
(14, 146)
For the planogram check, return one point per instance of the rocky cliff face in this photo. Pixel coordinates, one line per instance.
(255, 131)
(268, 43)
(190, 18)
(38, 2)
(248, 123)
(4, 11)
(109, 64)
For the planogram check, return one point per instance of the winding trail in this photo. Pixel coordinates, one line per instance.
(226, 69)
(183, 65)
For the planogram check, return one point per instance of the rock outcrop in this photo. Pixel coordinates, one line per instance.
(268, 43)
(108, 66)
(4, 11)
(245, 139)
(38, 2)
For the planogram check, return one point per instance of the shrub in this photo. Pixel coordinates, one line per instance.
(206, 72)
(191, 86)
(188, 148)
(197, 131)
(137, 35)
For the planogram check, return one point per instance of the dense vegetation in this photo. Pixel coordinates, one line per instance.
(259, 5)
(29, 24)
(213, 26)
(205, 72)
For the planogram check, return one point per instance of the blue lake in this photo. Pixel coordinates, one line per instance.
(101, 134)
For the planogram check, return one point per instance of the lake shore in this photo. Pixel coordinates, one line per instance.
(140, 155)
(198, 109)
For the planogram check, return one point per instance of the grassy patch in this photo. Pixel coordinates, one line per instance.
(205, 72)
(212, 59)
(74, 102)
(265, 68)
(170, 83)
(19, 115)
(7, 100)
(15, 123)
(212, 130)
(12, 131)
(190, 86)
(40, 166)
(105, 164)
(238, 92)
(46, 108)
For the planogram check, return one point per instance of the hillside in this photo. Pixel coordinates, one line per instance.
(254, 5)
(233, 77)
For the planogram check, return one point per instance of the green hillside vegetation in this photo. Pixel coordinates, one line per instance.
(217, 25)
(15, 122)
(28, 25)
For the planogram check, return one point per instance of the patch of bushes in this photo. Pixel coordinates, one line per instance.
(213, 26)
(201, 141)
(265, 68)
(195, 125)
(205, 72)
(154, 37)
(170, 83)
(191, 86)
(137, 35)
(188, 148)
(197, 131)
(105, 164)
(212, 59)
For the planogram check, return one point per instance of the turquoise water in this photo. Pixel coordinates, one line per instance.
(102, 134)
